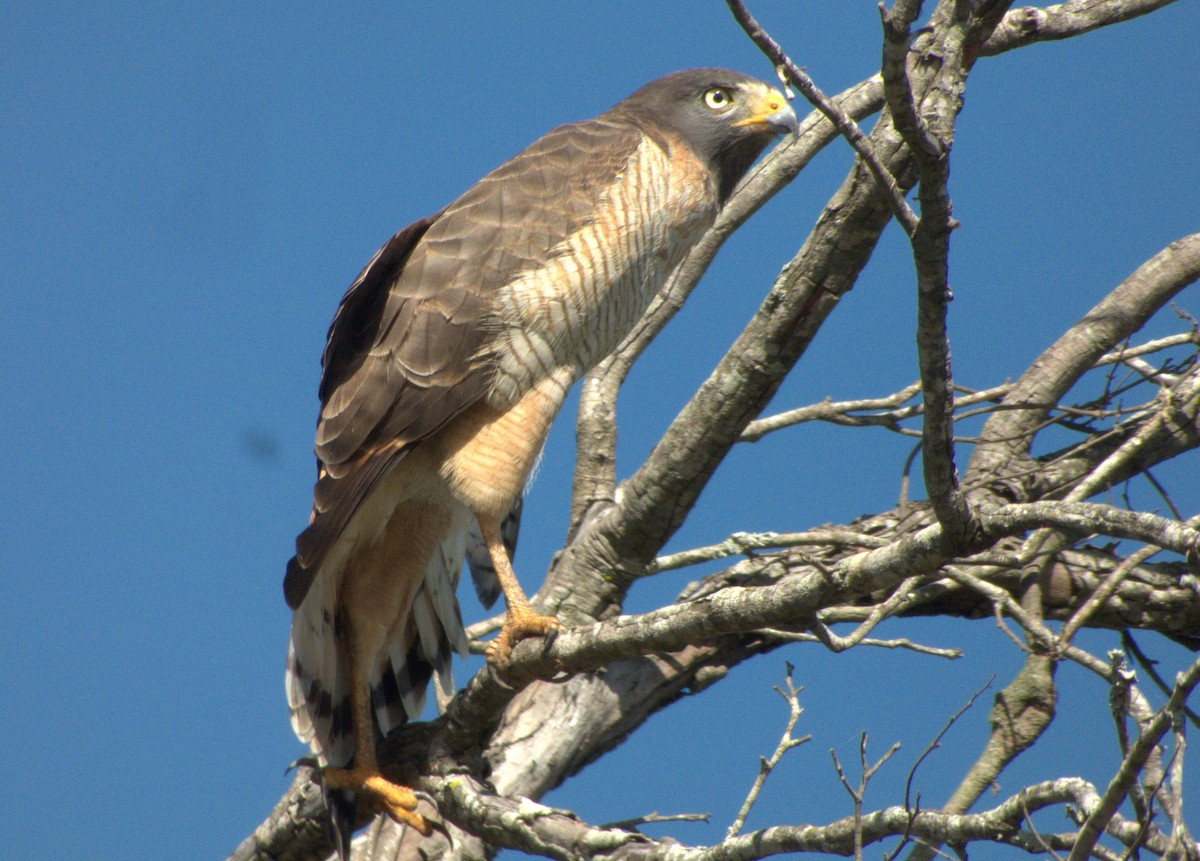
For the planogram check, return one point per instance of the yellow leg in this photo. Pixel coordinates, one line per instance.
(521, 620)
(399, 802)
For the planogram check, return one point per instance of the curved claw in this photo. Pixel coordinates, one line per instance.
(399, 802)
(308, 761)
(519, 624)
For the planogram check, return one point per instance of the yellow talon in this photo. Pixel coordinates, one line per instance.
(399, 802)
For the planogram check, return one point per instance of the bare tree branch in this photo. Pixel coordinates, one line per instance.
(1030, 24)
(930, 142)
(767, 764)
(1007, 435)
(538, 830)
(1105, 809)
(844, 124)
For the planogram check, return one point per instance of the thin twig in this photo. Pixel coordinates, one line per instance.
(900, 643)
(741, 543)
(632, 824)
(845, 126)
(767, 765)
(1003, 603)
(937, 742)
(884, 609)
(1037, 835)
(891, 409)
(838, 413)
(866, 772)
(1105, 591)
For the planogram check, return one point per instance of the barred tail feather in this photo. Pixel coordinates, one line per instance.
(479, 560)
(318, 677)
(342, 805)
(443, 607)
(423, 642)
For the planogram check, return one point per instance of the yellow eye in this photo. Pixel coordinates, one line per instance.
(717, 99)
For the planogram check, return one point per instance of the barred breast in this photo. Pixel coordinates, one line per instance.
(560, 319)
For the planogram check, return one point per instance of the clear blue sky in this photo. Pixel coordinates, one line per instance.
(189, 188)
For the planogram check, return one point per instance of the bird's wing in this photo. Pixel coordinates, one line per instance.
(412, 344)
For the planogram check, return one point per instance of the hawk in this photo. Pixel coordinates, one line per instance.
(444, 366)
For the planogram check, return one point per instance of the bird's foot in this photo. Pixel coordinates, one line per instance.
(520, 622)
(399, 802)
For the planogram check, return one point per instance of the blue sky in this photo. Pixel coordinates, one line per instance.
(188, 190)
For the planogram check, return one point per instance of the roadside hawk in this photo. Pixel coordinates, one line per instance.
(445, 364)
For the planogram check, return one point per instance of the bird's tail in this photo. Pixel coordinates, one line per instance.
(317, 680)
(419, 648)
(423, 641)
(342, 805)
(479, 560)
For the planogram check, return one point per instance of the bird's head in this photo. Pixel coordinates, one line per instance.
(727, 118)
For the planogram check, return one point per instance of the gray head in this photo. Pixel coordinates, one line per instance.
(727, 118)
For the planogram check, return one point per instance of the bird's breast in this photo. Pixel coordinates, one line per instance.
(572, 311)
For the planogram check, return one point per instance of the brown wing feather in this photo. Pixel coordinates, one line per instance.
(411, 344)
(354, 329)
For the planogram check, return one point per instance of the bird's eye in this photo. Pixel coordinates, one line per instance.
(717, 98)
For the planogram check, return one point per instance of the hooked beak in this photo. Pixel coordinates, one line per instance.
(771, 112)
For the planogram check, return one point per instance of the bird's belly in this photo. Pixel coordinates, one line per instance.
(487, 452)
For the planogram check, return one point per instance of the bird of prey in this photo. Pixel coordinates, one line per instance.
(444, 366)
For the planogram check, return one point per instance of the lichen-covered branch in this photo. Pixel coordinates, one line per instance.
(532, 828)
